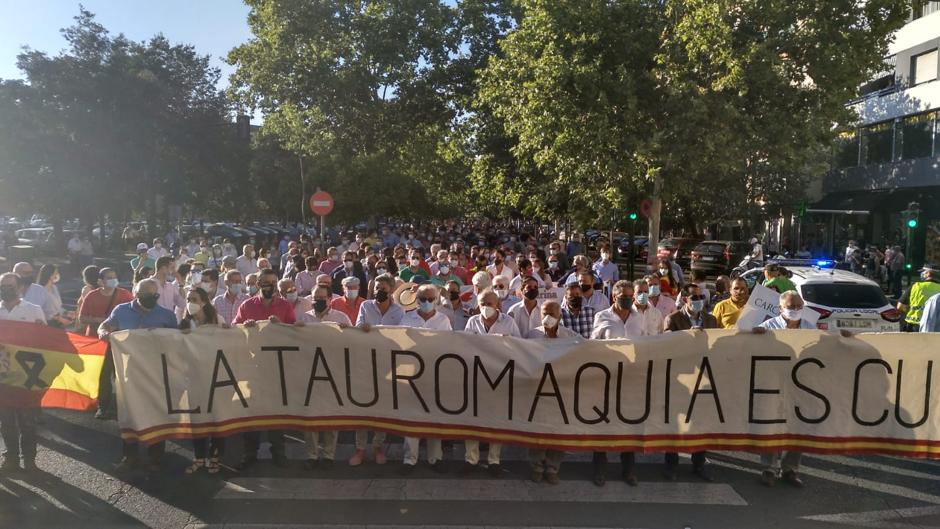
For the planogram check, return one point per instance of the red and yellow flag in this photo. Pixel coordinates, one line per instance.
(50, 368)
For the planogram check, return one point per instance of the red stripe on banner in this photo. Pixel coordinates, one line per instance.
(36, 336)
(560, 437)
(49, 398)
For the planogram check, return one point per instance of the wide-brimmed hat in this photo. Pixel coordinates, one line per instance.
(406, 296)
(929, 267)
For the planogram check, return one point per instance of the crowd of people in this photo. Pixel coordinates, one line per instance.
(478, 278)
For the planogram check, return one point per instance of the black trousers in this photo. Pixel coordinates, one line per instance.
(698, 459)
(105, 390)
(18, 429)
(204, 447)
(253, 441)
(627, 462)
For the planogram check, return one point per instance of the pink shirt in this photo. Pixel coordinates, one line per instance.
(254, 309)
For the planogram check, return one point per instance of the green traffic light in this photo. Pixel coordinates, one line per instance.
(907, 266)
(633, 216)
(911, 223)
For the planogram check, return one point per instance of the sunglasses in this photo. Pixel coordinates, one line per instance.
(426, 300)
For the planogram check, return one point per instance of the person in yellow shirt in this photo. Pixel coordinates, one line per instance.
(728, 311)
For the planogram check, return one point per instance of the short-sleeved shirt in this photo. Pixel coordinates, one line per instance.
(131, 315)
(23, 311)
(339, 303)
(581, 323)
(727, 313)
(97, 304)
(406, 274)
(369, 314)
(608, 325)
(226, 308)
(525, 320)
(780, 284)
(254, 309)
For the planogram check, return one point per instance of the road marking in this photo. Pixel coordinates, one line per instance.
(871, 465)
(883, 488)
(476, 490)
(879, 519)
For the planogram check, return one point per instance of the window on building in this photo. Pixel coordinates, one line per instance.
(922, 8)
(917, 136)
(924, 67)
(846, 151)
(878, 143)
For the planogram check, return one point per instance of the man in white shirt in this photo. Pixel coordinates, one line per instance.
(424, 317)
(226, 304)
(157, 250)
(526, 313)
(550, 325)
(664, 303)
(169, 295)
(590, 297)
(489, 322)
(506, 297)
(18, 425)
(32, 292)
(245, 263)
(499, 266)
(288, 291)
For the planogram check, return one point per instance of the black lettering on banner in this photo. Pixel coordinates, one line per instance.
(409, 378)
(232, 381)
(318, 356)
(897, 398)
(166, 389)
(280, 365)
(375, 382)
(858, 372)
(437, 384)
(601, 413)
(712, 390)
(32, 364)
(762, 391)
(649, 387)
(549, 373)
(666, 386)
(820, 396)
(478, 369)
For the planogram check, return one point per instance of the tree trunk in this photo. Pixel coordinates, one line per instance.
(655, 213)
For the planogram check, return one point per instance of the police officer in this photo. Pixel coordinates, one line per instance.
(914, 298)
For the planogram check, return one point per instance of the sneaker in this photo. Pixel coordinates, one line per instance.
(537, 476)
(495, 470)
(552, 479)
(379, 455)
(792, 478)
(768, 478)
(600, 479)
(357, 457)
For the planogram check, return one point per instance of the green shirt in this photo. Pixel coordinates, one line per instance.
(407, 275)
(780, 284)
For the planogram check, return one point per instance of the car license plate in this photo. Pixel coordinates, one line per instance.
(855, 324)
(708, 258)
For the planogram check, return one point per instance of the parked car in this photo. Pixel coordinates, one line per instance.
(217, 232)
(637, 253)
(844, 300)
(718, 257)
(679, 248)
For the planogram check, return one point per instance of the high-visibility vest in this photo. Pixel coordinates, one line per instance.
(920, 293)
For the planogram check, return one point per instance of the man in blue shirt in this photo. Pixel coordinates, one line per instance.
(141, 313)
(930, 318)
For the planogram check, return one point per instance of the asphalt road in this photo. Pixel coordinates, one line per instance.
(78, 488)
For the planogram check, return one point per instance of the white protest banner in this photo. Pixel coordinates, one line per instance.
(764, 304)
(685, 391)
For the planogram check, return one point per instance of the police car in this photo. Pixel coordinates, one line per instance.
(843, 300)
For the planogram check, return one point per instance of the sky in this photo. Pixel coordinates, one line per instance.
(213, 26)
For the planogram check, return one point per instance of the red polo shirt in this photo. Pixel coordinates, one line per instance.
(254, 309)
(341, 305)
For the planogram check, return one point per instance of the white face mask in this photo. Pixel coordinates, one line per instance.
(445, 269)
(349, 265)
(488, 312)
(792, 314)
(502, 293)
(415, 262)
(549, 321)
(654, 290)
(193, 308)
(292, 296)
(351, 295)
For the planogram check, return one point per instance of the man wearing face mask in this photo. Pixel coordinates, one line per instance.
(31, 291)
(664, 303)
(306, 280)
(142, 313)
(417, 270)
(18, 425)
(488, 322)
(425, 317)
(630, 316)
(226, 304)
(445, 274)
(500, 267)
(171, 297)
(526, 313)
(157, 250)
(332, 261)
(380, 310)
(350, 301)
(506, 298)
(691, 316)
(452, 307)
(605, 269)
(215, 260)
(210, 282)
(591, 296)
(549, 325)
(352, 267)
(526, 269)
(300, 305)
(245, 263)
(574, 314)
(914, 299)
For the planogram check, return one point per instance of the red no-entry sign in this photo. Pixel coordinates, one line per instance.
(321, 203)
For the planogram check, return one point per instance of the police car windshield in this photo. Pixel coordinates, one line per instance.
(844, 295)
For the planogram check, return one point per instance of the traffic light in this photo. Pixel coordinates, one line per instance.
(632, 215)
(912, 223)
(912, 215)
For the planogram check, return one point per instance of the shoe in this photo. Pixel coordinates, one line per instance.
(280, 461)
(357, 457)
(247, 463)
(438, 466)
(630, 479)
(406, 469)
(10, 464)
(378, 454)
(670, 473)
(703, 474)
(467, 468)
(310, 464)
(537, 476)
(768, 478)
(552, 479)
(126, 465)
(600, 479)
(196, 466)
(495, 470)
(791, 478)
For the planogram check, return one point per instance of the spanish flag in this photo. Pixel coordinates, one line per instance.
(50, 368)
